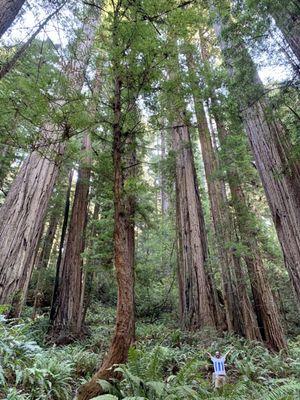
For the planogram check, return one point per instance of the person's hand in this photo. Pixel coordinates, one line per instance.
(226, 354)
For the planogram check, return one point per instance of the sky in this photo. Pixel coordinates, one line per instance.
(270, 70)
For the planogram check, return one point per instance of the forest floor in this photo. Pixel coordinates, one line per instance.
(165, 363)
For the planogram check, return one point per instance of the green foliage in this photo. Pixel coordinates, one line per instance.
(166, 364)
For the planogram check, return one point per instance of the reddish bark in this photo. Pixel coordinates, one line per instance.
(22, 216)
(61, 246)
(267, 313)
(67, 319)
(43, 259)
(195, 295)
(124, 263)
(279, 173)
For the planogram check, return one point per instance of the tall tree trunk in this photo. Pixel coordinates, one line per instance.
(268, 316)
(164, 195)
(287, 19)
(60, 249)
(218, 206)
(90, 274)
(22, 216)
(265, 307)
(195, 295)
(29, 196)
(124, 262)
(10, 64)
(43, 258)
(67, 322)
(280, 174)
(250, 325)
(8, 12)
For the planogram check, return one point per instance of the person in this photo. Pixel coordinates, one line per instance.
(219, 375)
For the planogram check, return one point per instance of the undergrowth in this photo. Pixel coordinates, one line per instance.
(165, 364)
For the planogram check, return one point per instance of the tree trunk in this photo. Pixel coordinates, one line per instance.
(90, 274)
(8, 12)
(10, 64)
(282, 186)
(280, 173)
(67, 321)
(43, 258)
(22, 216)
(218, 206)
(164, 194)
(124, 263)
(265, 307)
(288, 21)
(250, 325)
(60, 250)
(268, 316)
(195, 295)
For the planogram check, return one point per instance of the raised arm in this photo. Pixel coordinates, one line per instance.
(209, 355)
(226, 354)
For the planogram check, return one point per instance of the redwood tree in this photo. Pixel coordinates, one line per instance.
(123, 257)
(22, 216)
(68, 313)
(270, 143)
(123, 227)
(218, 205)
(25, 207)
(267, 313)
(287, 19)
(196, 302)
(8, 11)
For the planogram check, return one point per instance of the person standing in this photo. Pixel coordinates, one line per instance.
(219, 375)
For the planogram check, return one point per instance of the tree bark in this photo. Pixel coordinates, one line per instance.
(195, 295)
(124, 263)
(22, 216)
(281, 183)
(280, 174)
(265, 307)
(67, 321)
(43, 258)
(218, 207)
(9, 65)
(266, 310)
(90, 274)
(8, 12)
(288, 21)
(250, 325)
(60, 249)
(164, 194)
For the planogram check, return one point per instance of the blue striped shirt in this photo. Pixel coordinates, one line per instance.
(219, 365)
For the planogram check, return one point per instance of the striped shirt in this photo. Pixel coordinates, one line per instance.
(219, 365)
